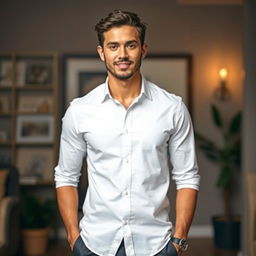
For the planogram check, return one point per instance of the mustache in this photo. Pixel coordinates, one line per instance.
(123, 60)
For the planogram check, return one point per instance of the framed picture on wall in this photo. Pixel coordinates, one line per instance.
(173, 72)
(35, 104)
(35, 164)
(34, 128)
(39, 73)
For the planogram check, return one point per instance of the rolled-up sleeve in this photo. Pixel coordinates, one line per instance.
(72, 152)
(182, 151)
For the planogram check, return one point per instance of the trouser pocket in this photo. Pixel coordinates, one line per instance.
(171, 250)
(80, 248)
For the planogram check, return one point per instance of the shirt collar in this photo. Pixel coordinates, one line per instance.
(145, 90)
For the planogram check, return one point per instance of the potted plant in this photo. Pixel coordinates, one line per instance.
(227, 156)
(36, 217)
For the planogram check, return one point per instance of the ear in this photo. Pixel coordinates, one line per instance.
(101, 52)
(144, 50)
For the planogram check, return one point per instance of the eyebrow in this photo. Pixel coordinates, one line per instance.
(128, 42)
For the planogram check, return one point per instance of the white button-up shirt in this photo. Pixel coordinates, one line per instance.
(128, 153)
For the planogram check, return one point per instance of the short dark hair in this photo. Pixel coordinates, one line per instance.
(118, 18)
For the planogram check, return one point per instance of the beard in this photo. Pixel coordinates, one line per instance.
(124, 76)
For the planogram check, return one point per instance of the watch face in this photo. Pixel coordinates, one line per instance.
(183, 245)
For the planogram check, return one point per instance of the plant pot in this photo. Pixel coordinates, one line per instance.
(227, 232)
(35, 241)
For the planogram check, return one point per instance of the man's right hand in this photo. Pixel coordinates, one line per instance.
(72, 239)
(67, 197)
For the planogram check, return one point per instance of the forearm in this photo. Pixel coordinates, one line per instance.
(185, 207)
(67, 197)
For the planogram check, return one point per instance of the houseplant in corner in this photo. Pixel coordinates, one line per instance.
(227, 156)
(36, 217)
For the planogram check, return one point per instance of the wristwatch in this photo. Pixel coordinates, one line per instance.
(182, 243)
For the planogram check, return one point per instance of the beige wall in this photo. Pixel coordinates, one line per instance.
(213, 34)
(249, 117)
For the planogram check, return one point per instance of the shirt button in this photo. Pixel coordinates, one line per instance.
(125, 193)
(125, 222)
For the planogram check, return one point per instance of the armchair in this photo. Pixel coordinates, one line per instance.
(9, 210)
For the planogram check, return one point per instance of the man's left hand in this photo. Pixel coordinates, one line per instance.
(179, 251)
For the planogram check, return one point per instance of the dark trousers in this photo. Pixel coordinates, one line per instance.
(80, 249)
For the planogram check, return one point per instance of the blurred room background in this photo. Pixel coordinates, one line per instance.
(38, 40)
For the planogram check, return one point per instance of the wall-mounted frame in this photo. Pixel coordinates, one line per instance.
(34, 129)
(35, 104)
(39, 73)
(35, 162)
(172, 72)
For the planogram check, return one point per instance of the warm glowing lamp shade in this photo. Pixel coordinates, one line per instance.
(223, 74)
(222, 92)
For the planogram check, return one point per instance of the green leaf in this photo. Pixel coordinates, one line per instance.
(201, 139)
(236, 152)
(235, 124)
(212, 156)
(224, 177)
(216, 116)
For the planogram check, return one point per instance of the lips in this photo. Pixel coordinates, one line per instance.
(123, 65)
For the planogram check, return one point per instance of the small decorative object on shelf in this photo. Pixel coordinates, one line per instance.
(29, 113)
(35, 104)
(3, 136)
(4, 104)
(6, 71)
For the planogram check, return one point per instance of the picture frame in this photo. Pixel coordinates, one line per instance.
(35, 104)
(38, 73)
(172, 72)
(34, 129)
(35, 164)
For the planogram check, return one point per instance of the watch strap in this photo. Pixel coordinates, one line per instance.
(181, 242)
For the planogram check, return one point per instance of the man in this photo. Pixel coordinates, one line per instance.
(128, 129)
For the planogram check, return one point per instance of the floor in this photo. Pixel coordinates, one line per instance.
(197, 247)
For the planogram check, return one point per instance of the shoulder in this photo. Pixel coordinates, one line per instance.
(80, 107)
(93, 96)
(164, 97)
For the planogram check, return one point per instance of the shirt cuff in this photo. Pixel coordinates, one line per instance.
(65, 184)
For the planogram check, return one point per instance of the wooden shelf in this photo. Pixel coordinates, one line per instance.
(34, 88)
(39, 182)
(34, 144)
(5, 144)
(34, 113)
(5, 88)
(5, 114)
(29, 82)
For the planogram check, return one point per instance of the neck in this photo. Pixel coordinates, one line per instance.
(125, 91)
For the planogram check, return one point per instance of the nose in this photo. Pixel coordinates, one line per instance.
(123, 52)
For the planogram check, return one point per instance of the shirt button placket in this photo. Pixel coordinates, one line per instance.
(126, 155)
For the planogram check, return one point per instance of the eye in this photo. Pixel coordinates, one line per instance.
(132, 45)
(112, 47)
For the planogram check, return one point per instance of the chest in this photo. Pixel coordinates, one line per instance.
(105, 128)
